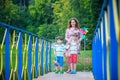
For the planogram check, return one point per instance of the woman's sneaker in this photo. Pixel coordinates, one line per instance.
(68, 71)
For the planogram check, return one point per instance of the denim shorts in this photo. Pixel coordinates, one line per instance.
(59, 59)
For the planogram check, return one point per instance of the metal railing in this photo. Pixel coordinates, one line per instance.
(23, 55)
(106, 43)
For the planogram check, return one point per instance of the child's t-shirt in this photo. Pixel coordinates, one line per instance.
(74, 47)
(59, 49)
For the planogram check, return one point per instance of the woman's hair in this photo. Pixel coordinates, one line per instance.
(76, 21)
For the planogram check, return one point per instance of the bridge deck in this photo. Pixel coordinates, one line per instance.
(65, 76)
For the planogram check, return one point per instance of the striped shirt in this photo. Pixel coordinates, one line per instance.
(74, 47)
(59, 49)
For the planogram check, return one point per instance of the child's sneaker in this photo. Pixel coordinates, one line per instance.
(56, 71)
(61, 72)
(71, 72)
(74, 72)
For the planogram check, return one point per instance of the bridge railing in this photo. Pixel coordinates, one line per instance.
(23, 55)
(106, 43)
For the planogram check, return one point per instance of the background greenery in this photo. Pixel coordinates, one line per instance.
(49, 18)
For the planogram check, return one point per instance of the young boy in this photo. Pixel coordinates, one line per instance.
(59, 50)
(73, 48)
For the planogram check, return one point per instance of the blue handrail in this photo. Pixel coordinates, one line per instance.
(106, 43)
(33, 50)
(21, 30)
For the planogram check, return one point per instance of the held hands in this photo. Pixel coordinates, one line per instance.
(68, 42)
(67, 46)
(67, 54)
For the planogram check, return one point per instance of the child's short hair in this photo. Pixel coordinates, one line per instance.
(74, 34)
(59, 37)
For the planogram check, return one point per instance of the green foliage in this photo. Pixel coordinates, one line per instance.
(48, 31)
(49, 18)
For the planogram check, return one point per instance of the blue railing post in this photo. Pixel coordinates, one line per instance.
(42, 58)
(97, 58)
(94, 57)
(47, 57)
(50, 56)
(113, 44)
(20, 57)
(29, 57)
(104, 48)
(7, 55)
(100, 54)
(36, 57)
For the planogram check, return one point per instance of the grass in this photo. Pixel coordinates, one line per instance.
(84, 61)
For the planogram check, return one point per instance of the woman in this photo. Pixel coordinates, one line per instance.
(73, 27)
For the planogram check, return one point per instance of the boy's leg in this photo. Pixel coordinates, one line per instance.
(61, 65)
(57, 70)
(61, 70)
(74, 66)
(75, 61)
(73, 70)
(71, 65)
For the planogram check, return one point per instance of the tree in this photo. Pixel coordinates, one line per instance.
(48, 31)
(46, 16)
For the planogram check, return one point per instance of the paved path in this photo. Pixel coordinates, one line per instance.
(65, 76)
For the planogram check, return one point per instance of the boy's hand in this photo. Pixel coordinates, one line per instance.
(55, 53)
(67, 47)
(78, 41)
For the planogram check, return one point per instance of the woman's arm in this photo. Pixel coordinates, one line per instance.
(80, 36)
(80, 39)
(67, 36)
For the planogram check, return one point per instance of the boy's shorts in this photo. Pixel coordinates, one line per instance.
(59, 59)
(73, 58)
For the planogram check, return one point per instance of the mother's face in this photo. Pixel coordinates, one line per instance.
(73, 23)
